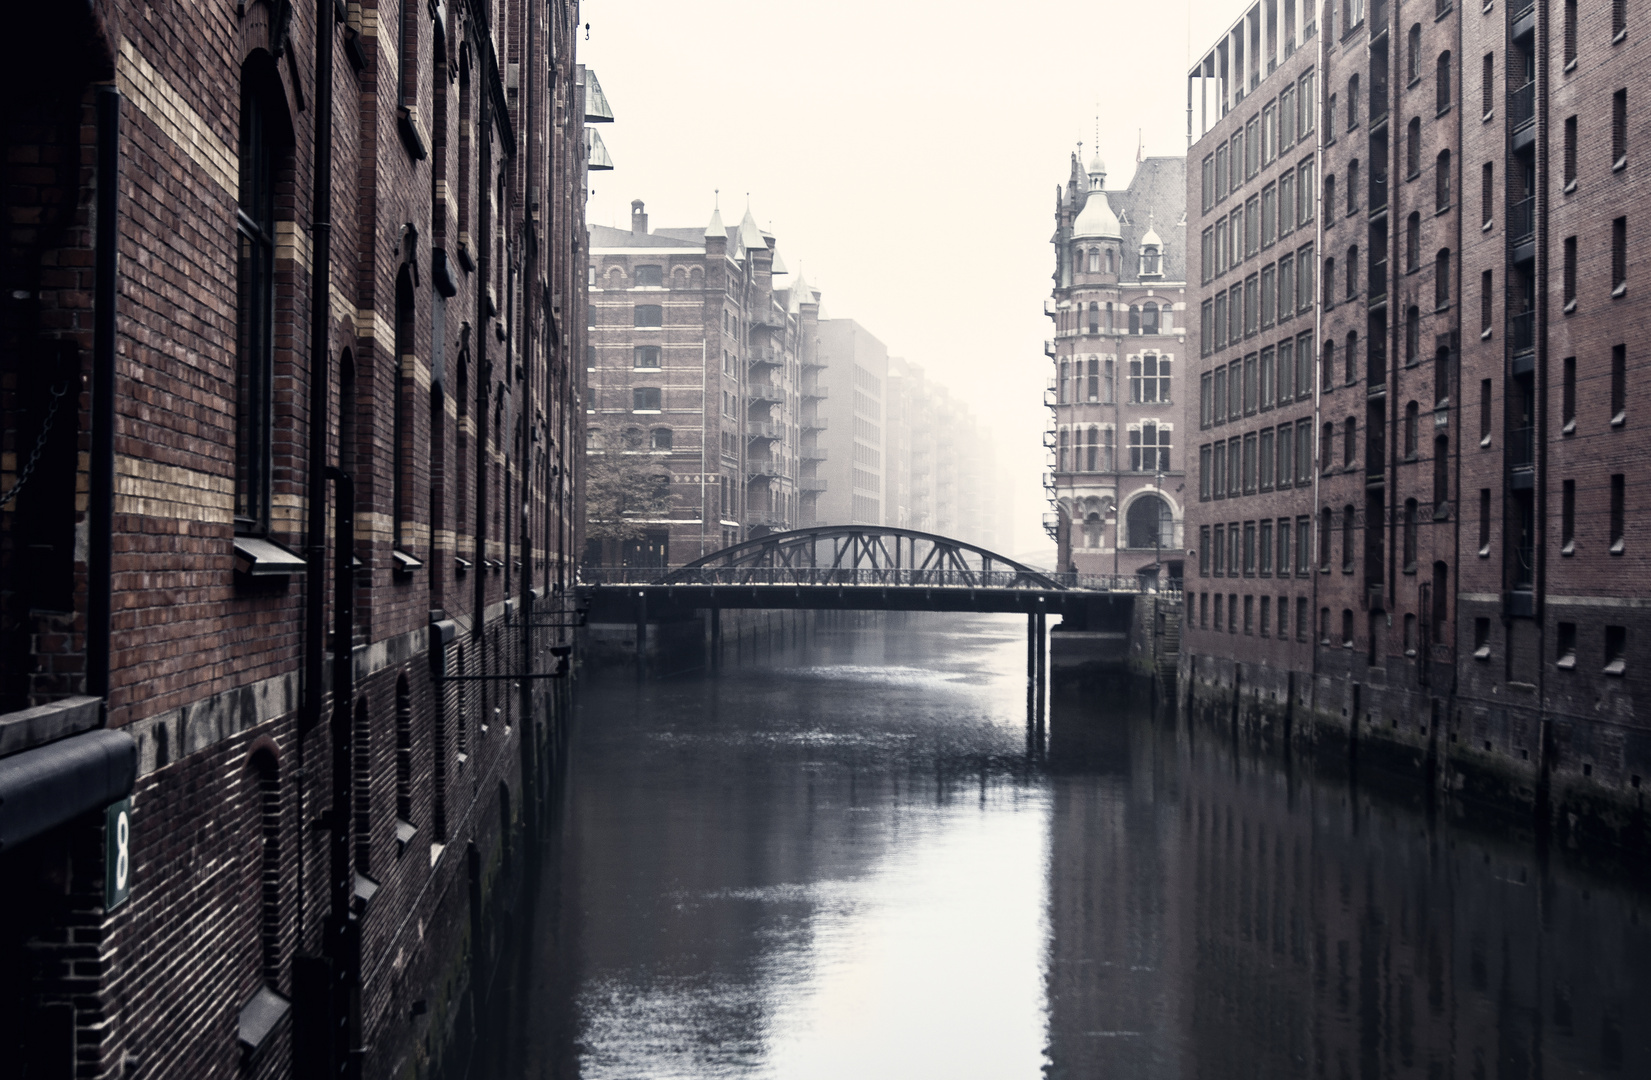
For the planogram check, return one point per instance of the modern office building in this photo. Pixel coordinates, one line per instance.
(1420, 530)
(1119, 392)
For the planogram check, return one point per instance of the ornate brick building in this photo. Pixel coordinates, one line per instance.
(1119, 395)
(1416, 534)
(290, 462)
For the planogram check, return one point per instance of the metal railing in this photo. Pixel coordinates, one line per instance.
(820, 392)
(762, 429)
(825, 576)
(767, 392)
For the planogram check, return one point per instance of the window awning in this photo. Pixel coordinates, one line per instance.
(263, 558)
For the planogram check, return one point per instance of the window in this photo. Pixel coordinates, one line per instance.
(1304, 191)
(1441, 278)
(1441, 180)
(1218, 611)
(1619, 384)
(1286, 202)
(1413, 241)
(1266, 615)
(1567, 396)
(1264, 379)
(1269, 133)
(649, 315)
(1570, 33)
(1619, 19)
(1619, 256)
(1352, 185)
(1304, 366)
(1567, 517)
(1326, 442)
(1093, 453)
(1347, 542)
(1221, 172)
(1413, 148)
(1352, 101)
(1252, 304)
(1218, 396)
(1149, 379)
(1252, 147)
(1442, 82)
(1205, 460)
(1265, 461)
(1305, 100)
(264, 767)
(1568, 286)
(1149, 446)
(1093, 387)
(1350, 359)
(1413, 53)
(1149, 523)
(1487, 195)
(1329, 282)
(1330, 120)
(1207, 177)
(1094, 312)
(1206, 255)
(1220, 564)
(1487, 83)
(1570, 153)
(255, 308)
(1349, 442)
(1206, 328)
(1269, 215)
(1286, 288)
(1327, 365)
(645, 356)
(1149, 314)
(1249, 549)
(1412, 429)
(1284, 552)
(1441, 476)
(1411, 521)
(1286, 455)
(404, 760)
(645, 399)
(1249, 614)
(1249, 464)
(1484, 523)
(1353, 272)
(1204, 552)
(661, 439)
(1412, 333)
(1616, 640)
(1485, 280)
(361, 766)
(649, 276)
(1441, 375)
(1565, 653)
(1619, 494)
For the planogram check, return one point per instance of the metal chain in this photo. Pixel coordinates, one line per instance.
(39, 444)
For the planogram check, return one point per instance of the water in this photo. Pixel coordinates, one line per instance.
(848, 860)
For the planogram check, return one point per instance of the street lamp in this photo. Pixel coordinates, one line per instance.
(1117, 540)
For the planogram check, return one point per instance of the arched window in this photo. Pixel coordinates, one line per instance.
(1352, 185)
(404, 760)
(1351, 358)
(1149, 318)
(1413, 241)
(1413, 147)
(1094, 260)
(1134, 319)
(1442, 81)
(265, 769)
(361, 781)
(1108, 381)
(1324, 556)
(1109, 265)
(1411, 516)
(1441, 375)
(1349, 442)
(1412, 428)
(1352, 101)
(1347, 553)
(1094, 317)
(1330, 193)
(1327, 365)
(263, 137)
(1094, 380)
(1329, 282)
(662, 438)
(401, 447)
(1353, 272)
(1412, 333)
(1441, 475)
(1150, 523)
(1413, 58)
(1064, 459)
(1441, 278)
(1441, 180)
(1151, 260)
(1327, 443)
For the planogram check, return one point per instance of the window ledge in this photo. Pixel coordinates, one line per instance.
(1443, 112)
(1620, 290)
(1619, 419)
(405, 563)
(405, 831)
(1621, 36)
(1569, 188)
(258, 1020)
(259, 558)
(1484, 443)
(1570, 65)
(1566, 663)
(1488, 117)
(1482, 653)
(1484, 552)
(1569, 548)
(1486, 227)
(1570, 307)
(1445, 209)
(1616, 667)
(1617, 547)
(1484, 335)
(1569, 428)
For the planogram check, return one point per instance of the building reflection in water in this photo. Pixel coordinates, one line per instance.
(1215, 913)
(848, 860)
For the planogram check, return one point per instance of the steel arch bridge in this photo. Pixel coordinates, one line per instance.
(861, 555)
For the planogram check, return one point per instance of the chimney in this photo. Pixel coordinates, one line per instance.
(639, 219)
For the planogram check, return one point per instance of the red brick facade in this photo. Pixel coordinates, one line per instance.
(1469, 583)
(452, 328)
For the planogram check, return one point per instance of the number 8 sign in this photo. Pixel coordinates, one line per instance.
(117, 854)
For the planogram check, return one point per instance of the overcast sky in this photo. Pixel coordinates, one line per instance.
(904, 153)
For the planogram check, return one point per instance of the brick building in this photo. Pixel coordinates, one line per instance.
(1116, 483)
(288, 290)
(696, 364)
(1431, 493)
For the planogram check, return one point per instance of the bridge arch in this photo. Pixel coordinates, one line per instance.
(861, 555)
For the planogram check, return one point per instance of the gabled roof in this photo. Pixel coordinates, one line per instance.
(603, 236)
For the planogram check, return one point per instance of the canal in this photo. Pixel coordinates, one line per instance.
(849, 858)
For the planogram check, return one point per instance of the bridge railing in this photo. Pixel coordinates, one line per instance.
(893, 577)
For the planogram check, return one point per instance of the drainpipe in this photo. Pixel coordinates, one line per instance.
(525, 355)
(101, 506)
(315, 549)
(484, 373)
(343, 940)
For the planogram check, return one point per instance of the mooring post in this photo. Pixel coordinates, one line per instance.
(1031, 648)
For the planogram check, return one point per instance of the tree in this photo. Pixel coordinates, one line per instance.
(621, 494)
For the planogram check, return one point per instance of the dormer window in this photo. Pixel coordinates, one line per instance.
(1151, 260)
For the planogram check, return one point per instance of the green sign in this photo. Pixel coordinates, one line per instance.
(117, 854)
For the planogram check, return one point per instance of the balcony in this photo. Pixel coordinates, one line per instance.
(811, 485)
(769, 393)
(817, 393)
(814, 423)
(761, 358)
(1522, 106)
(1378, 280)
(814, 453)
(768, 320)
(771, 519)
(1049, 348)
(1522, 331)
(1522, 220)
(764, 469)
(762, 429)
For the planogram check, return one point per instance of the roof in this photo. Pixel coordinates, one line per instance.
(607, 237)
(1157, 195)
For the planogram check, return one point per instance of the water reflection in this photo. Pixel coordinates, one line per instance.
(844, 862)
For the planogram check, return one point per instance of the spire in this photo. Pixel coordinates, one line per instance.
(750, 235)
(716, 228)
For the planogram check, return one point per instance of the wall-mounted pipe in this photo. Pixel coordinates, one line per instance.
(100, 510)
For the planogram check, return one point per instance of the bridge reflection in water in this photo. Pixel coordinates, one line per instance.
(848, 861)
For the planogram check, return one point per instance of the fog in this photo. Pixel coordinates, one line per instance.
(904, 154)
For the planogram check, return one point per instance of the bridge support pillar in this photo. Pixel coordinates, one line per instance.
(1042, 667)
(641, 635)
(716, 638)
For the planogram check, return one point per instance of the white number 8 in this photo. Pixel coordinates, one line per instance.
(123, 834)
